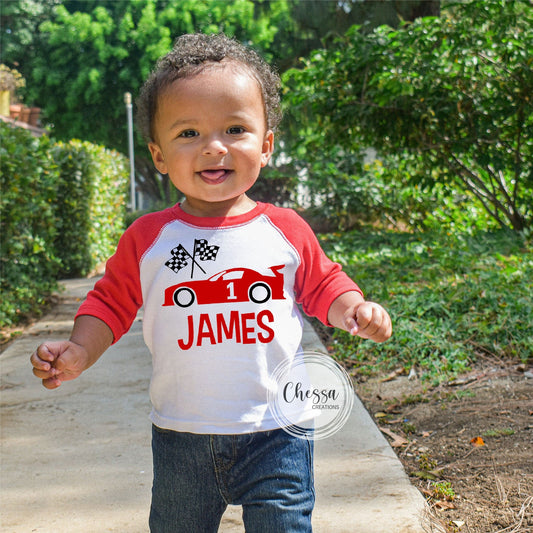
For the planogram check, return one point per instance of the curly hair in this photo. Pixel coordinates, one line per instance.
(190, 55)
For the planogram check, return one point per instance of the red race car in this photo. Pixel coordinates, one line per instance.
(232, 285)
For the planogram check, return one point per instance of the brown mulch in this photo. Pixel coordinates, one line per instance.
(467, 444)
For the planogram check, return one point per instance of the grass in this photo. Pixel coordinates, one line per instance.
(505, 432)
(443, 490)
(452, 298)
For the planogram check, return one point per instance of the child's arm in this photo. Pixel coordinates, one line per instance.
(55, 362)
(368, 320)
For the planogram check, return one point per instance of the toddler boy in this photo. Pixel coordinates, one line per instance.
(220, 277)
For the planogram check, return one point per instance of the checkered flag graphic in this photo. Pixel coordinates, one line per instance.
(180, 259)
(204, 251)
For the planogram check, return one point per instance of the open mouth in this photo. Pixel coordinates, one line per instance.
(214, 176)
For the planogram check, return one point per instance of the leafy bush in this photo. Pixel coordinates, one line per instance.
(276, 184)
(91, 204)
(451, 296)
(61, 213)
(29, 266)
(452, 92)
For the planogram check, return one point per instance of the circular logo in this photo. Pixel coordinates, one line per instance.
(312, 396)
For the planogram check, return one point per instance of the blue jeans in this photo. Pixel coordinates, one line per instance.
(196, 476)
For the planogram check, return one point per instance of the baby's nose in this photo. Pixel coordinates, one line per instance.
(215, 146)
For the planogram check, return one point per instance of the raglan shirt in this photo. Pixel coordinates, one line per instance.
(220, 302)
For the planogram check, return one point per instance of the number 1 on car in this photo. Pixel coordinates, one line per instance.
(231, 288)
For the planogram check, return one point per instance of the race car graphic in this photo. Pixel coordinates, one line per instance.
(228, 286)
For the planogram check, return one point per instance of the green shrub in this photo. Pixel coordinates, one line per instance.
(29, 266)
(62, 212)
(451, 92)
(91, 204)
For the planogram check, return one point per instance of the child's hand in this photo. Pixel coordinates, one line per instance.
(369, 321)
(365, 319)
(55, 362)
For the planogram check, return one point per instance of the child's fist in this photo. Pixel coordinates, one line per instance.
(55, 362)
(369, 320)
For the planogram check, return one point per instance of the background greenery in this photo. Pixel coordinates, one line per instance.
(28, 261)
(90, 204)
(62, 211)
(444, 100)
(453, 297)
(79, 57)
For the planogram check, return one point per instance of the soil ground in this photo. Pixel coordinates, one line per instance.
(467, 445)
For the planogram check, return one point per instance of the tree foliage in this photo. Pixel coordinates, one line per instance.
(86, 54)
(314, 23)
(80, 56)
(97, 52)
(452, 93)
(19, 29)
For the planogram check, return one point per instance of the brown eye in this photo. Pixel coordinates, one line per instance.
(236, 130)
(188, 134)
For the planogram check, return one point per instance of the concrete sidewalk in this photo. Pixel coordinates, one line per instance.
(78, 459)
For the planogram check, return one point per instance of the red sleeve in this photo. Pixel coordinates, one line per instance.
(319, 281)
(117, 297)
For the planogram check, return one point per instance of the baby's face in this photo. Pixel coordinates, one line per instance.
(212, 139)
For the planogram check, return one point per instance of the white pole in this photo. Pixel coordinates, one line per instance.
(129, 112)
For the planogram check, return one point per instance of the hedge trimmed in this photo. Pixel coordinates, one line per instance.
(91, 204)
(62, 212)
(28, 181)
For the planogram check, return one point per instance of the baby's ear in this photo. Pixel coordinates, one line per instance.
(158, 158)
(268, 148)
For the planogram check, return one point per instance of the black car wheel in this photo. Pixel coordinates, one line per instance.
(183, 297)
(259, 293)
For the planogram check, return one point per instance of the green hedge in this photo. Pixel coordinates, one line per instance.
(62, 210)
(29, 265)
(91, 204)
